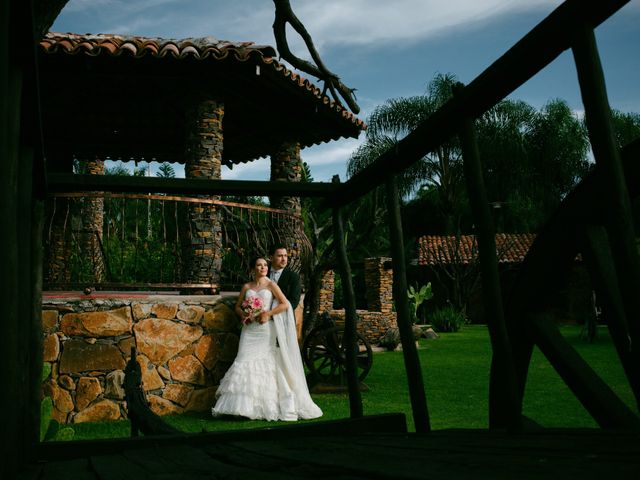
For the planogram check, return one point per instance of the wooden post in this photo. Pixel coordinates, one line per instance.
(504, 403)
(596, 252)
(35, 337)
(409, 351)
(609, 168)
(355, 399)
(19, 142)
(12, 402)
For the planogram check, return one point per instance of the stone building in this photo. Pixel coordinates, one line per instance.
(380, 314)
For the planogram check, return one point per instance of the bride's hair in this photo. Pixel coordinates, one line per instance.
(254, 260)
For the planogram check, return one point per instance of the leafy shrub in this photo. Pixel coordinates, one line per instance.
(447, 319)
(418, 296)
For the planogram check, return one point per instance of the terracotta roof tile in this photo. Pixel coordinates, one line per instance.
(206, 48)
(434, 250)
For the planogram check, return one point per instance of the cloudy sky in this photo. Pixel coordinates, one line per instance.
(385, 49)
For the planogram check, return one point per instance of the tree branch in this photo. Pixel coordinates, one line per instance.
(284, 15)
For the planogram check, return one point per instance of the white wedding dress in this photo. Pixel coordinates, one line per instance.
(266, 380)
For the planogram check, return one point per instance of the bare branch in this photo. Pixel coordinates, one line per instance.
(284, 15)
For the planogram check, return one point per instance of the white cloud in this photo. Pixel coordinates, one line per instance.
(370, 22)
(118, 7)
(330, 22)
(82, 5)
(325, 160)
(329, 159)
(257, 170)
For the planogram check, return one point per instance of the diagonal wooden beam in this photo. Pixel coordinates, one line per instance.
(350, 328)
(595, 395)
(539, 47)
(410, 353)
(504, 406)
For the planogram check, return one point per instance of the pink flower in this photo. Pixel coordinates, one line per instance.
(252, 307)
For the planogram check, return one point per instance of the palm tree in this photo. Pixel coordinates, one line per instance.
(441, 168)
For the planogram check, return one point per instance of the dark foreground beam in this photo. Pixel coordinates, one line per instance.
(68, 182)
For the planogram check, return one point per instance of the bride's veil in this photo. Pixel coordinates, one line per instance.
(291, 361)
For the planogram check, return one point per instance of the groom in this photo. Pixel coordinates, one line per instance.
(287, 279)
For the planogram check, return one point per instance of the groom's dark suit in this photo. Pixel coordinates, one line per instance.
(289, 283)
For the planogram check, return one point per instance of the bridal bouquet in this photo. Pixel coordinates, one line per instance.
(252, 307)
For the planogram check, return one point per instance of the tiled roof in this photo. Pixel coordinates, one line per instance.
(202, 49)
(436, 250)
(109, 44)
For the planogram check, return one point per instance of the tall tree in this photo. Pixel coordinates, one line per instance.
(531, 159)
(442, 168)
(557, 149)
(626, 126)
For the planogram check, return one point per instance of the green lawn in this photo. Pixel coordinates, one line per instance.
(456, 375)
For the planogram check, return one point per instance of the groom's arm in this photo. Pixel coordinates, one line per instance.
(295, 290)
(292, 290)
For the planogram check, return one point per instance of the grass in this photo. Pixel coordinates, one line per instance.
(456, 376)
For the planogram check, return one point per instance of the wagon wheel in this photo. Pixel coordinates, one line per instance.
(325, 354)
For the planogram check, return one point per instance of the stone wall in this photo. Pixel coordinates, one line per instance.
(184, 346)
(379, 316)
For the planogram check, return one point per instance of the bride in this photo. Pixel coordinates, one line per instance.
(266, 380)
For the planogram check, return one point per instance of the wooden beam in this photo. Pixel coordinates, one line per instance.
(595, 395)
(409, 351)
(351, 345)
(616, 201)
(597, 255)
(539, 47)
(68, 182)
(505, 408)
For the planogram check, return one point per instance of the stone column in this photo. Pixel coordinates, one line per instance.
(327, 289)
(379, 283)
(92, 218)
(286, 166)
(203, 160)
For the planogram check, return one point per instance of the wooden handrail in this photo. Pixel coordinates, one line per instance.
(173, 198)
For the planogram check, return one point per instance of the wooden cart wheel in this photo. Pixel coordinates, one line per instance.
(324, 354)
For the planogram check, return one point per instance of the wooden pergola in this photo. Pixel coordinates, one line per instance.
(602, 231)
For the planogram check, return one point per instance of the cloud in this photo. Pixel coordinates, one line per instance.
(82, 5)
(257, 170)
(330, 22)
(325, 160)
(329, 159)
(371, 22)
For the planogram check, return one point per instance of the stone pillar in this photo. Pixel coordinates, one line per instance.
(379, 283)
(203, 160)
(92, 218)
(327, 288)
(286, 166)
